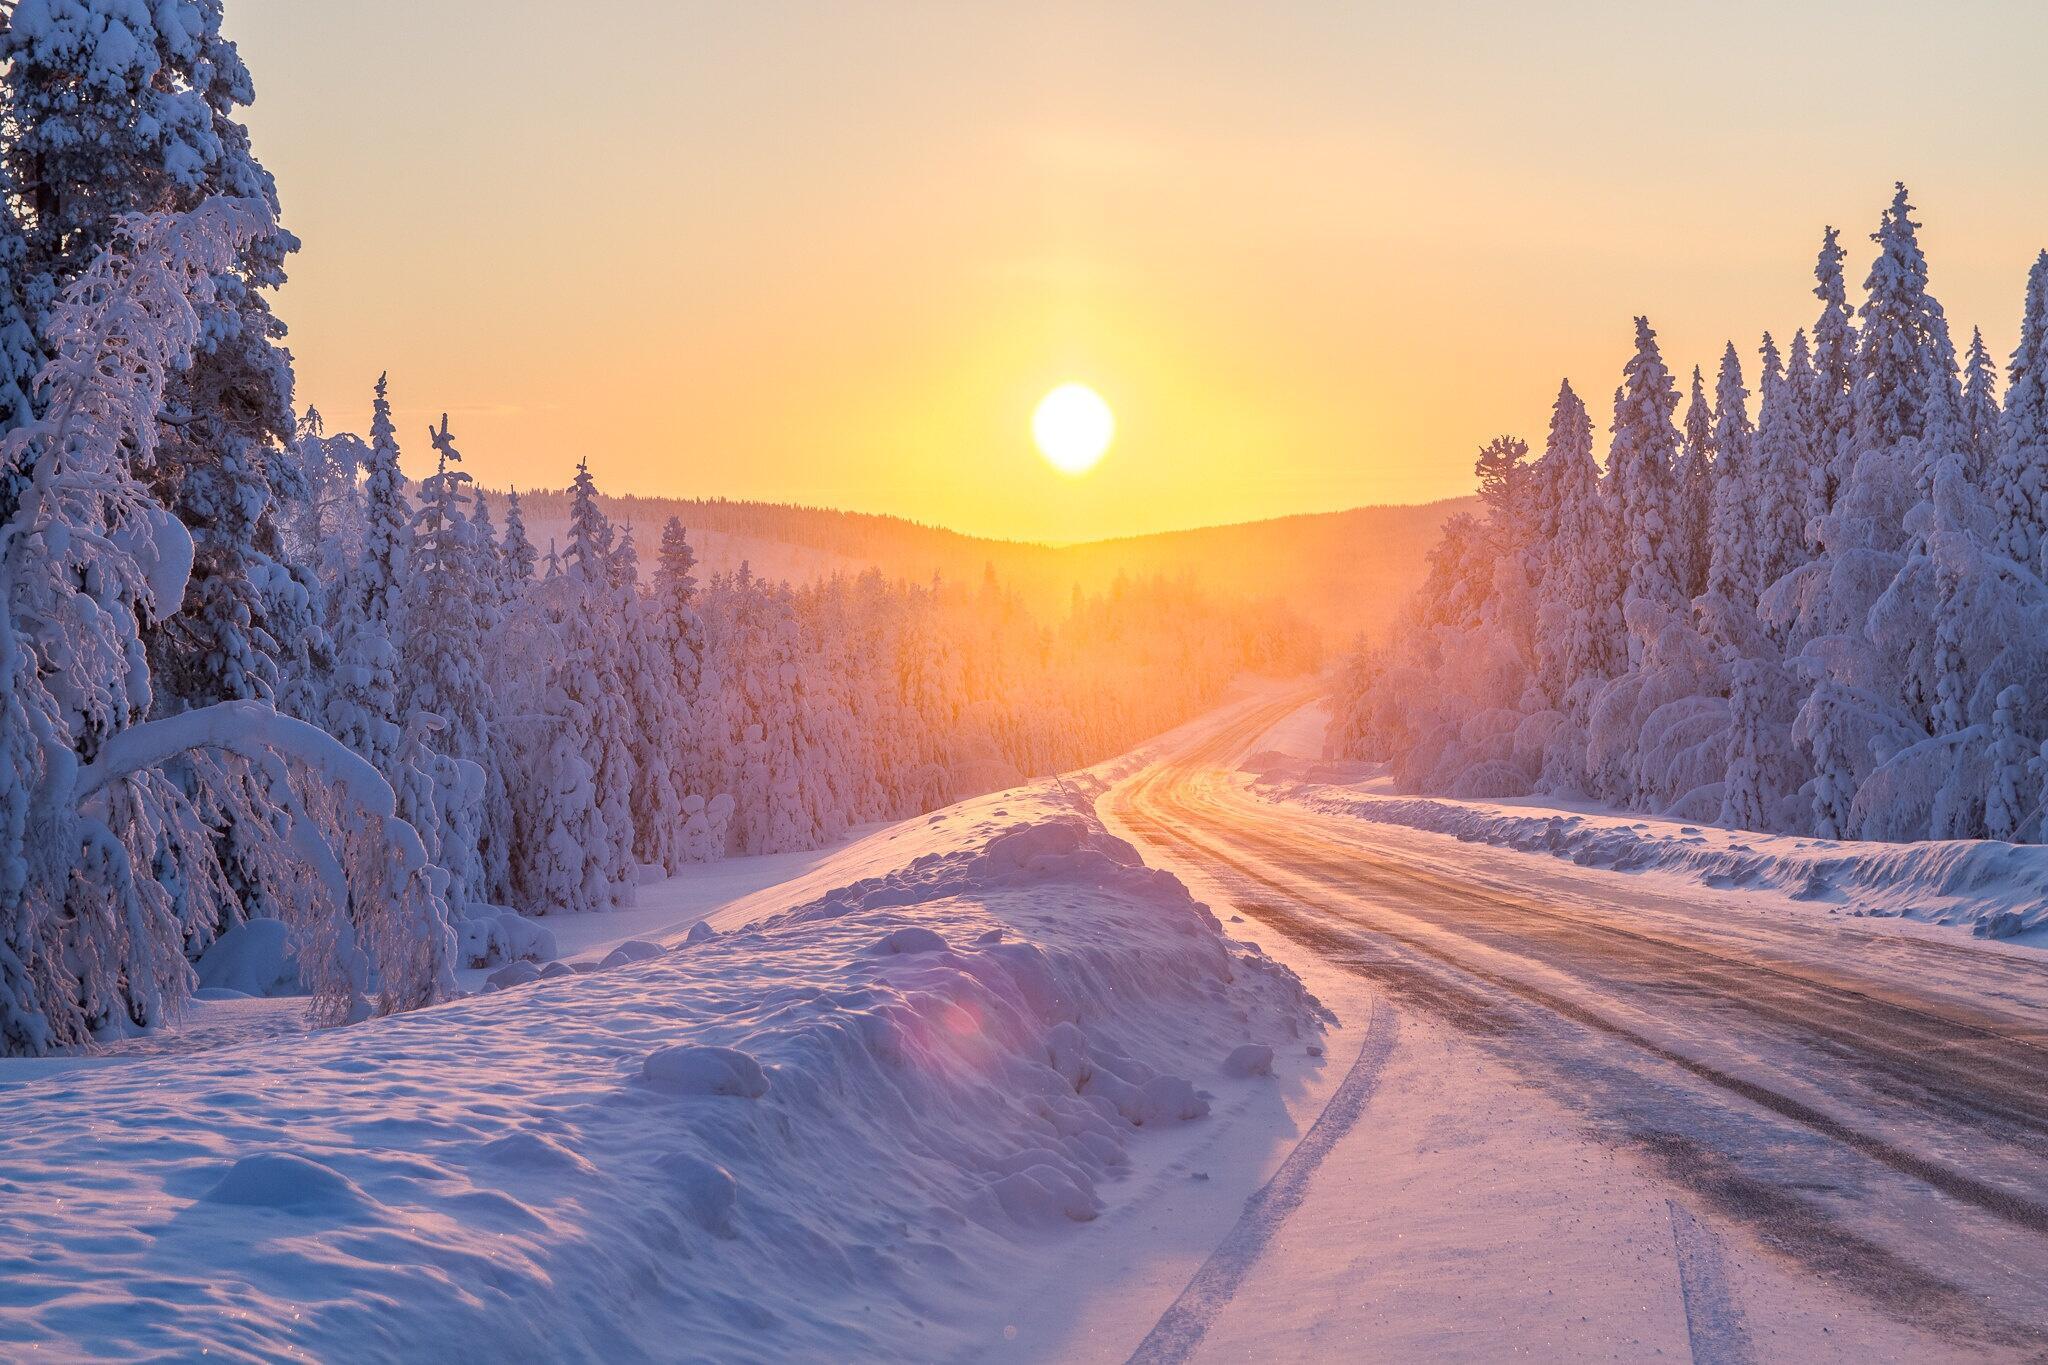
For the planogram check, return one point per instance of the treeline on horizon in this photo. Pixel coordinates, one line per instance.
(1824, 614)
(248, 671)
(1342, 572)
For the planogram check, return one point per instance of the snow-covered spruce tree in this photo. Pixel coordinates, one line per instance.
(674, 579)
(2019, 478)
(626, 561)
(1958, 623)
(451, 611)
(1731, 554)
(1828, 413)
(563, 854)
(2008, 805)
(90, 938)
(1513, 492)
(1905, 360)
(1823, 727)
(1778, 480)
(1759, 496)
(516, 550)
(364, 701)
(1692, 486)
(591, 536)
(1742, 794)
(559, 840)
(660, 733)
(1639, 467)
(596, 628)
(114, 108)
(1580, 643)
(1980, 416)
(1904, 382)
(696, 708)
(1912, 654)
(368, 704)
(490, 556)
(759, 639)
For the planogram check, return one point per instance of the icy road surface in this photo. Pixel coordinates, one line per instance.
(1596, 1115)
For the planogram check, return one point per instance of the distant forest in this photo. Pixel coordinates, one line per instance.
(1342, 572)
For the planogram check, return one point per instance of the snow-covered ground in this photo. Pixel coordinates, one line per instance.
(1982, 886)
(858, 1114)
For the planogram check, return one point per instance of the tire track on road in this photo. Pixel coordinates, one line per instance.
(1181, 1328)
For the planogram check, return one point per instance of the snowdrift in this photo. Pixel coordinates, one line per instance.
(828, 1133)
(1992, 889)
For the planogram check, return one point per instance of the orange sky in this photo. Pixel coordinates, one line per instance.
(1311, 254)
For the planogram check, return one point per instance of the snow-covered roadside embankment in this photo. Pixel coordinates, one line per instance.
(1992, 889)
(830, 1132)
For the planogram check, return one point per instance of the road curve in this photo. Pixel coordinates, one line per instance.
(1869, 1107)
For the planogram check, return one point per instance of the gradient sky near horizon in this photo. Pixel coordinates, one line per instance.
(1312, 254)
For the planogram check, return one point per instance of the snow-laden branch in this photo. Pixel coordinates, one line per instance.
(247, 729)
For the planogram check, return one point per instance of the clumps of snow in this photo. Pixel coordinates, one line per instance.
(1043, 1195)
(909, 939)
(1135, 1091)
(1990, 888)
(704, 1069)
(493, 936)
(1249, 1059)
(536, 1151)
(512, 974)
(1068, 847)
(253, 958)
(290, 1183)
(631, 951)
(777, 1144)
(699, 931)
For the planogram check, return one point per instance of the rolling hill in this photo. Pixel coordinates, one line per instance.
(1343, 571)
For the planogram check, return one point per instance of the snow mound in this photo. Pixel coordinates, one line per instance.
(513, 974)
(536, 1152)
(494, 936)
(1070, 847)
(910, 939)
(1043, 1196)
(1990, 888)
(632, 950)
(253, 958)
(1252, 1059)
(700, 1069)
(779, 1144)
(291, 1183)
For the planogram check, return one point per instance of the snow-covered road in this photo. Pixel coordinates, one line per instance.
(1606, 1115)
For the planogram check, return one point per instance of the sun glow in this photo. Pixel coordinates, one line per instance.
(1073, 427)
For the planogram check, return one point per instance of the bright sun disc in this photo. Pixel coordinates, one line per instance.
(1073, 427)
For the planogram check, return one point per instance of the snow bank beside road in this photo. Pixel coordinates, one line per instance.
(831, 1132)
(1991, 889)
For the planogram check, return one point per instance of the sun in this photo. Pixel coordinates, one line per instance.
(1073, 427)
